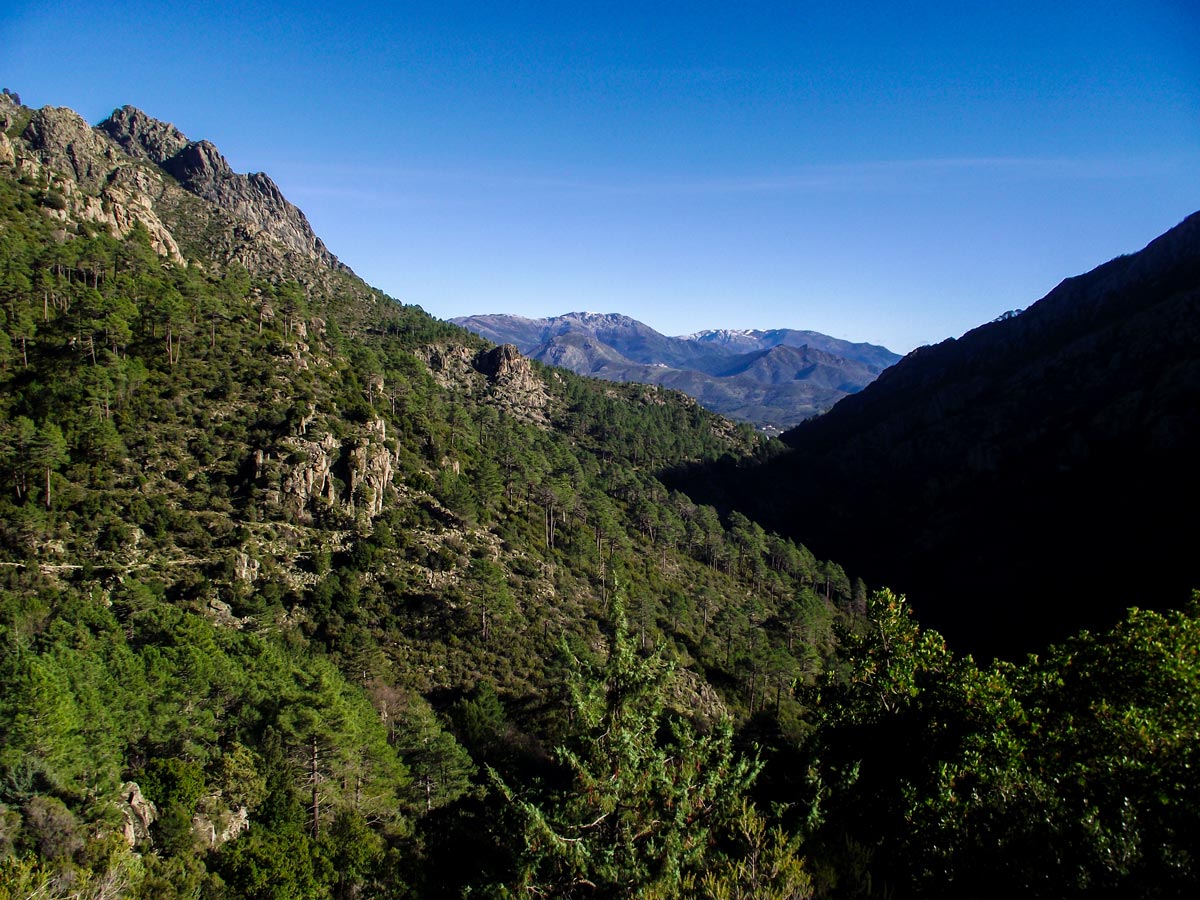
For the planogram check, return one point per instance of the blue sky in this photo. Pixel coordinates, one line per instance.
(896, 173)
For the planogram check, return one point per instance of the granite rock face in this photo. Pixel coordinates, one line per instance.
(201, 169)
(67, 143)
(309, 478)
(212, 830)
(513, 382)
(138, 814)
(143, 136)
(133, 169)
(90, 177)
(369, 472)
(304, 475)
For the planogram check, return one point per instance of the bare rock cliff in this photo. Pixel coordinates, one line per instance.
(514, 383)
(201, 169)
(134, 169)
(91, 178)
(304, 475)
(369, 465)
(66, 142)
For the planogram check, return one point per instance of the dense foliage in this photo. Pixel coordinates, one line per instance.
(304, 595)
(1072, 775)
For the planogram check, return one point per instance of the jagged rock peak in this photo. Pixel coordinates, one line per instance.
(62, 139)
(200, 168)
(144, 136)
(193, 163)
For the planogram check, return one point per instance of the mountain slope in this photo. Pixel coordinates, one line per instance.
(284, 563)
(1029, 478)
(773, 379)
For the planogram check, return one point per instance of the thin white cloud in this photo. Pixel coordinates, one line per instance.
(912, 173)
(403, 185)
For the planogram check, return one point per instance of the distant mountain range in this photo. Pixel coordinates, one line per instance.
(773, 379)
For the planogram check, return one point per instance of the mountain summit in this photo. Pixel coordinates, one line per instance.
(134, 168)
(773, 379)
(200, 168)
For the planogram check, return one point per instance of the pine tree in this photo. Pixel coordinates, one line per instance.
(49, 452)
(648, 788)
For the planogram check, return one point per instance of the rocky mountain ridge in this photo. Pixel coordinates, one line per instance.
(773, 379)
(749, 340)
(133, 168)
(200, 168)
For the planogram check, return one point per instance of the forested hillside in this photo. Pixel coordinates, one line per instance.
(305, 594)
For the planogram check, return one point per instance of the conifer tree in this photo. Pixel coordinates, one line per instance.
(648, 789)
(49, 452)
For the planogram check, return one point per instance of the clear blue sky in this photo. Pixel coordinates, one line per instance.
(893, 172)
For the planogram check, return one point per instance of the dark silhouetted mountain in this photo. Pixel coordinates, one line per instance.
(774, 379)
(1032, 477)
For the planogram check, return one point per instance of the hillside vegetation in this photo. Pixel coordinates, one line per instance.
(305, 594)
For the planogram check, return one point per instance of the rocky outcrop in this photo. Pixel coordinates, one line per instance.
(369, 465)
(213, 830)
(245, 568)
(501, 372)
(447, 362)
(201, 169)
(308, 476)
(138, 814)
(518, 389)
(354, 473)
(8, 156)
(499, 361)
(62, 140)
(222, 614)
